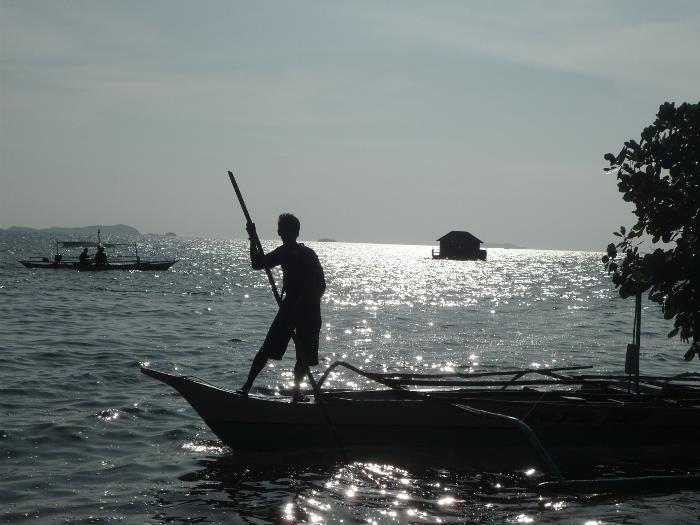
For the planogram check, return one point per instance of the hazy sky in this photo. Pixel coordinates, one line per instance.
(372, 121)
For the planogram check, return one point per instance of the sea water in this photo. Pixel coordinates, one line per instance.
(86, 438)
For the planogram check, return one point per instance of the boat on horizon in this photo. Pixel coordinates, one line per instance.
(131, 261)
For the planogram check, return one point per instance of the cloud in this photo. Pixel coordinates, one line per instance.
(360, 99)
(605, 42)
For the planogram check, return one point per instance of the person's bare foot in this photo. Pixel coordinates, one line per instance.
(298, 397)
(243, 391)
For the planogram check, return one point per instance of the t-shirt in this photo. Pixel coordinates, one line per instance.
(303, 274)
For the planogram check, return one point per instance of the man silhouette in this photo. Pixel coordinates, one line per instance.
(84, 257)
(299, 315)
(100, 257)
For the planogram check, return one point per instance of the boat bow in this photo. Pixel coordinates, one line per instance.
(169, 379)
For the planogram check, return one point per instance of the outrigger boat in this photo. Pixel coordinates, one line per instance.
(477, 420)
(132, 261)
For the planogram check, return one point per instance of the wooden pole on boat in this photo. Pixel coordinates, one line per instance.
(256, 239)
(273, 285)
(638, 329)
(632, 355)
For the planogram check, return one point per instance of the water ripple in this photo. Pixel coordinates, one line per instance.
(86, 438)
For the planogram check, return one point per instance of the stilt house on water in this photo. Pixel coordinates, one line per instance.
(460, 245)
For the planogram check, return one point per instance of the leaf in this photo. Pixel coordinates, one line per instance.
(648, 133)
(690, 353)
(638, 276)
(673, 333)
(657, 297)
(621, 156)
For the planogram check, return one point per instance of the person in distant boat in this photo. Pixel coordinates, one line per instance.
(57, 259)
(100, 257)
(84, 257)
(299, 315)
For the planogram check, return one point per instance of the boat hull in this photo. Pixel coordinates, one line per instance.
(384, 426)
(127, 265)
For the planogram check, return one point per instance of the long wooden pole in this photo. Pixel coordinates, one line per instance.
(255, 238)
(273, 285)
(637, 330)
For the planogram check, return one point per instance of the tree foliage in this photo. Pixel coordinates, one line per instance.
(660, 176)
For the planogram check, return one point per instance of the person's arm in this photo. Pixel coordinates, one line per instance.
(322, 277)
(256, 258)
(316, 280)
(259, 260)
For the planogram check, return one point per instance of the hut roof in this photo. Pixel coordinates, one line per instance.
(459, 236)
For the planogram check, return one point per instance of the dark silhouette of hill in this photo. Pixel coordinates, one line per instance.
(502, 245)
(117, 229)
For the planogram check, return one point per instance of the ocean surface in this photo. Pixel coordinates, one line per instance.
(86, 438)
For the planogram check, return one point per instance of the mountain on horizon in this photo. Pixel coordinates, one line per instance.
(117, 229)
(502, 245)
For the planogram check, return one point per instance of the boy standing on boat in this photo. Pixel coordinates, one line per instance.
(299, 315)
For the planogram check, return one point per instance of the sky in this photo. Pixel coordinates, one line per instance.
(372, 121)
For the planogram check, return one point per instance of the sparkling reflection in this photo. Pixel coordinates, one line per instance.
(359, 492)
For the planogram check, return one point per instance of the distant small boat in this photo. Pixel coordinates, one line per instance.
(121, 264)
(132, 261)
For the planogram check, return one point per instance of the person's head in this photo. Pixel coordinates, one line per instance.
(288, 227)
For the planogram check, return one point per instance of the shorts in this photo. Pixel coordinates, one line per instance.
(304, 324)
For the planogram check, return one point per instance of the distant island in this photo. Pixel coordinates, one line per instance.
(502, 245)
(117, 229)
(324, 239)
